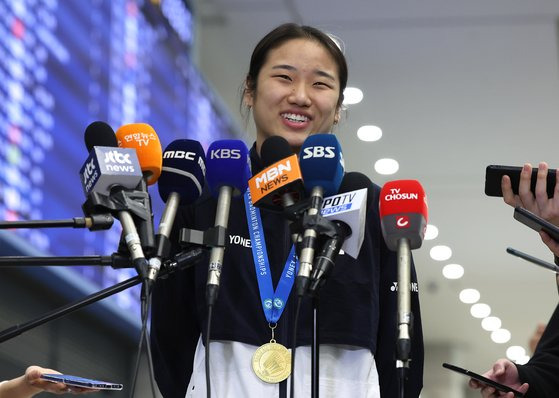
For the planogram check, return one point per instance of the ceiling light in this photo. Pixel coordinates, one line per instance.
(469, 296)
(440, 253)
(523, 360)
(491, 323)
(369, 133)
(431, 232)
(453, 271)
(352, 95)
(480, 310)
(515, 352)
(386, 166)
(500, 336)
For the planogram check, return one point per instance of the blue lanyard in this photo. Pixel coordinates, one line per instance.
(273, 303)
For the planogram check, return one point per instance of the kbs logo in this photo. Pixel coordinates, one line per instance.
(225, 153)
(327, 152)
(403, 222)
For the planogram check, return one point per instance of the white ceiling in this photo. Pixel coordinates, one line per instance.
(455, 86)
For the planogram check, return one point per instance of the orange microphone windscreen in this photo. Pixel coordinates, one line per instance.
(142, 137)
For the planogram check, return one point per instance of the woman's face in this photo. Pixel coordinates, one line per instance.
(296, 94)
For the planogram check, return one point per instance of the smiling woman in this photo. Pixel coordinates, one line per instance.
(294, 89)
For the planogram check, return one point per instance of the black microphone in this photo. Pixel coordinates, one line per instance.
(181, 183)
(227, 174)
(107, 172)
(322, 167)
(346, 212)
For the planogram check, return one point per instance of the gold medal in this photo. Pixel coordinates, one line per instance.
(272, 362)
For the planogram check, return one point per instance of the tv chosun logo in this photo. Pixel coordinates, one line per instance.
(403, 222)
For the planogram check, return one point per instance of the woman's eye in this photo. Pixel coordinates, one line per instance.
(323, 84)
(283, 77)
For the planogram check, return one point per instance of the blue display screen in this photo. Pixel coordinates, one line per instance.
(64, 64)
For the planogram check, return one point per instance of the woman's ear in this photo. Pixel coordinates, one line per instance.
(337, 115)
(248, 94)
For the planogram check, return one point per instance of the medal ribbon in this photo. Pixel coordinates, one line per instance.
(273, 303)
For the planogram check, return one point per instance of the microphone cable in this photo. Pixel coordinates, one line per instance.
(294, 347)
(145, 298)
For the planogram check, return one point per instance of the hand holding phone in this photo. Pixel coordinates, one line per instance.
(81, 382)
(484, 380)
(495, 173)
(536, 223)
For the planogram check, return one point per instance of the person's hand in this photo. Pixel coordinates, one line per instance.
(538, 203)
(504, 372)
(33, 378)
(550, 243)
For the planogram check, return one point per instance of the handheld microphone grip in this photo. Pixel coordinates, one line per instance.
(217, 253)
(405, 321)
(133, 243)
(310, 236)
(325, 261)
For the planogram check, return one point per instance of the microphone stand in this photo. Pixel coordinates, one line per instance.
(95, 222)
(181, 260)
(115, 260)
(315, 350)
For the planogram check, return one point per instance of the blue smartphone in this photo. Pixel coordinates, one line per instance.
(81, 382)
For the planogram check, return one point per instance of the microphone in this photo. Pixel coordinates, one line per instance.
(322, 166)
(403, 213)
(227, 173)
(142, 138)
(280, 183)
(180, 183)
(107, 172)
(346, 213)
(99, 134)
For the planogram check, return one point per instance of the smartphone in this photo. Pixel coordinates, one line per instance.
(81, 382)
(494, 174)
(484, 380)
(536, 223)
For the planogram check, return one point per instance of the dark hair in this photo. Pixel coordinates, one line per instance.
(290, 31)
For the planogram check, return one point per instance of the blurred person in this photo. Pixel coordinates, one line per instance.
(539, 377)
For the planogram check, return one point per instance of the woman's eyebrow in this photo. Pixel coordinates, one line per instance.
(316, 71)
